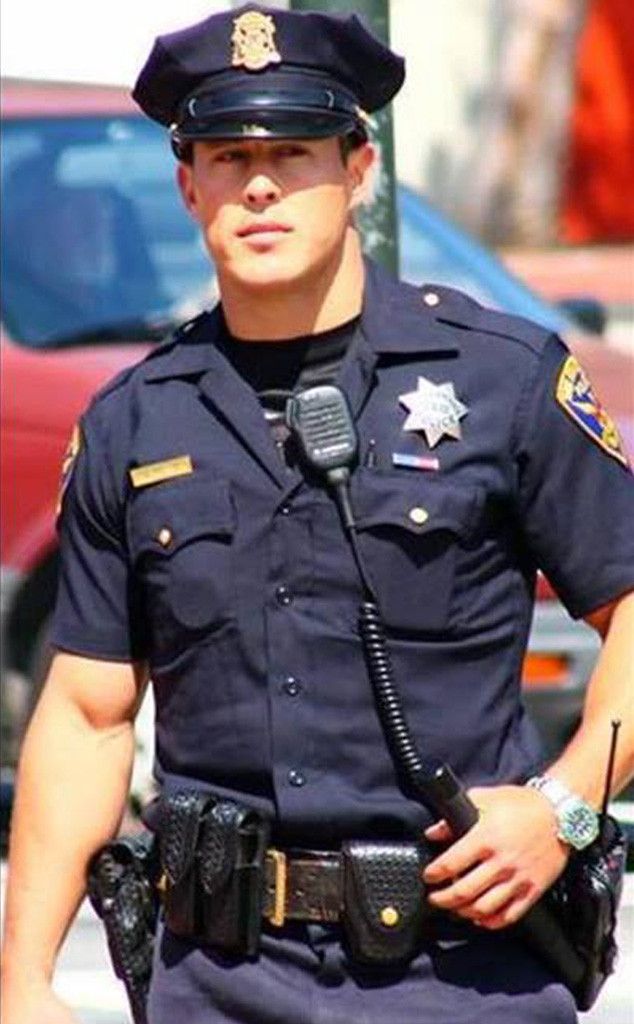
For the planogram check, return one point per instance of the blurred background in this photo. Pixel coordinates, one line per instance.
(507, 170)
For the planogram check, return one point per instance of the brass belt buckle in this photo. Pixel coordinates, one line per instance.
(278, 915)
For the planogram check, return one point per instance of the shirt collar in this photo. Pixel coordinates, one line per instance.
(190, 352)
(394, 319)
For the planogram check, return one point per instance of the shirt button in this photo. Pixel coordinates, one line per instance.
(296, 778)
(283, 595)
(285, 510)
(291, 686)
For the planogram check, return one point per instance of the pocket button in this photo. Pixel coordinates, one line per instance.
(418, 515)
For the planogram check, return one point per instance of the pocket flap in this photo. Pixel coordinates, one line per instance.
(420, 506)
(165, 517)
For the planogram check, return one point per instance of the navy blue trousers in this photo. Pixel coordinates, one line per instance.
(304, 977)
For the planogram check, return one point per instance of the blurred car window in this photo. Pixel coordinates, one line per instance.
(94, 232)
(433, 249)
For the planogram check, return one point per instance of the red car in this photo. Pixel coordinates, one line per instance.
(99, 261)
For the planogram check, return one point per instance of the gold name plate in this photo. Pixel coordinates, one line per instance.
(155, 472)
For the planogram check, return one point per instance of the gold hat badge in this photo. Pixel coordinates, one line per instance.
(253, 41)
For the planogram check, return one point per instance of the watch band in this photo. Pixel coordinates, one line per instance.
(577, 821)
(553, 789)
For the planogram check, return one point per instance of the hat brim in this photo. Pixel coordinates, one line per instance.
(273, 124)
(279, 105)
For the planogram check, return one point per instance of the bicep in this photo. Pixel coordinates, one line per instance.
(106, 694)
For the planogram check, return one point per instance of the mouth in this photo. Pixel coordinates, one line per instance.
(263, 228)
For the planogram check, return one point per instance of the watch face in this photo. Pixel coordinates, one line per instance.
(578, 824)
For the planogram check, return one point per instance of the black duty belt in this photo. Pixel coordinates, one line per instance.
(220, 878)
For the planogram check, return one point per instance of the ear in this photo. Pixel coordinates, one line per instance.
(362, 168)
(187, 189)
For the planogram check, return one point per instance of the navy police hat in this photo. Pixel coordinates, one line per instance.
(262, 72)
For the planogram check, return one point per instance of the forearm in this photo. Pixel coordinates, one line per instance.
(610, 697)
(72, 785)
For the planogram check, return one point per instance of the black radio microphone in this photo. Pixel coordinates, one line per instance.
(320, 420)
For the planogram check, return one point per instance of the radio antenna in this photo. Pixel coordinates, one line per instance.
(616, 725)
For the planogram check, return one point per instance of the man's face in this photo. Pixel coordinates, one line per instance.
(273, 212)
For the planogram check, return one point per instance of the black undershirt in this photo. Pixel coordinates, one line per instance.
(277, 369)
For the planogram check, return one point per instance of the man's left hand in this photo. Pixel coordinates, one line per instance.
(494, 873)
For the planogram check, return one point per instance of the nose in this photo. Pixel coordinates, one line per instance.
(261, 190)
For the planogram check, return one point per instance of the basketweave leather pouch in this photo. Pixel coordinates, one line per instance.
(384, 900)
(212, 854)
(182, 815)
(231, 857)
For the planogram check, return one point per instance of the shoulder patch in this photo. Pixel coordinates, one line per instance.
(576, 396)
(72, 451)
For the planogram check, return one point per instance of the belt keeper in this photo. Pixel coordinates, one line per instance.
(278, 916)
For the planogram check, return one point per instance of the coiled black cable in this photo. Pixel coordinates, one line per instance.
(387, 697)
(428, 778)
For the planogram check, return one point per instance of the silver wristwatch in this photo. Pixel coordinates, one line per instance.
(578, 822)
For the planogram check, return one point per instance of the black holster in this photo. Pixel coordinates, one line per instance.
(122, 889)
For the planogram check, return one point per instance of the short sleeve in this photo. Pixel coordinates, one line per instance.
(575, 487)
(97, 611)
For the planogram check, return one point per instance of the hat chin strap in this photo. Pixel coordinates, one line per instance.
(246, 102)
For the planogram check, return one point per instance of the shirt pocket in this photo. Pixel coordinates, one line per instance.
(181, 536)
(411, 534)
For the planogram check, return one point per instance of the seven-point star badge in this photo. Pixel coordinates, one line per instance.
(434, 409)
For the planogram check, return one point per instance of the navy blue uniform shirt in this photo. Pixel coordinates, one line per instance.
(231, 575)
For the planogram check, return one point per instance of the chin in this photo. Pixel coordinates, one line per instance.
(270, 271)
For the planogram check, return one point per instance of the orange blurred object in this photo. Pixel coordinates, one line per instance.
(598, 189)
(544, 670)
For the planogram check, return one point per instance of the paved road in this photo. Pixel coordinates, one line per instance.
(84, 979)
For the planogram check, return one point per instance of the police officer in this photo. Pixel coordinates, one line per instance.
(199, 549)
